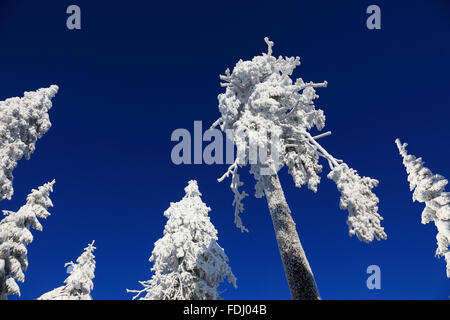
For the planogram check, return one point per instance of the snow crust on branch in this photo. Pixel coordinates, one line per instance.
(357, 197)
(15, 235)
(429, 188)
(22, 122)
(263, 105)
(188, 262)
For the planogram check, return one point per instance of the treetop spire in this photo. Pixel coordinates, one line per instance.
(269, 45)
(192, 189)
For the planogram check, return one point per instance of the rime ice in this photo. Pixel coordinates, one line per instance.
(15, 235)
(429, 188)
(79, 284)
(22, 122)
(261, 101)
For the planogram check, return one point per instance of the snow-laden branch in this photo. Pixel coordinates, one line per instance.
(269, 46)
(429, 189)
(15, 235)
(231, 170)
(22, 122)
(362, 204)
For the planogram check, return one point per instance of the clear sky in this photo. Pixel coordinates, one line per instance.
(137, 70)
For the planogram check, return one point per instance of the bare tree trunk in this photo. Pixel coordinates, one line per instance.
(296, 267)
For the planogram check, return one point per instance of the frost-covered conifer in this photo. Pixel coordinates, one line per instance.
(188, 262)
(79, 284)
(22, 122)
(15, 235)
(263, 108)
(429, 188)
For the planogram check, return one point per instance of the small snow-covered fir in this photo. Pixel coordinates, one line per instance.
(22, 122)
(79, 284)
(188, 262)
(429, 188)
(15, 235)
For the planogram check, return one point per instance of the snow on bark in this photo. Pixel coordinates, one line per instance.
(298, 272)
(429, 188)
(15, 235)
(188, 262)
(263, 107)
(22, 122)
(79, 284)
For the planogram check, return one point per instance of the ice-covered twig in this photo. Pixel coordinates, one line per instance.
(237, 202)
(322, 135)
(328, 156)
(269, 46)
(145, 284)
(313, 85)
(238, 196)
(231, 170)
(227, 76)
(216, 123)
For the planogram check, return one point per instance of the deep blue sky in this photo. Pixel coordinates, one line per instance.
(138, 70)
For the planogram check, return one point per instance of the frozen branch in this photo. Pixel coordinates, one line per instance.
(269, 46)
(216, 123)
(231, 170)
(323, 135)
(328, 156)
(313, 85)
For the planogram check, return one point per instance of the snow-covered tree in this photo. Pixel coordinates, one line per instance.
(22, 122)
(79, 284)
(15, 235)
(263, 107)
(188, 262)
(429, 188)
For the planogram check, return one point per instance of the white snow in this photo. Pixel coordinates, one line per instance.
(15, 235)
(22, 122)
(79, 284)
(261, 102)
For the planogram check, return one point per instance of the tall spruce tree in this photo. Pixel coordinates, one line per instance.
(262, 108)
